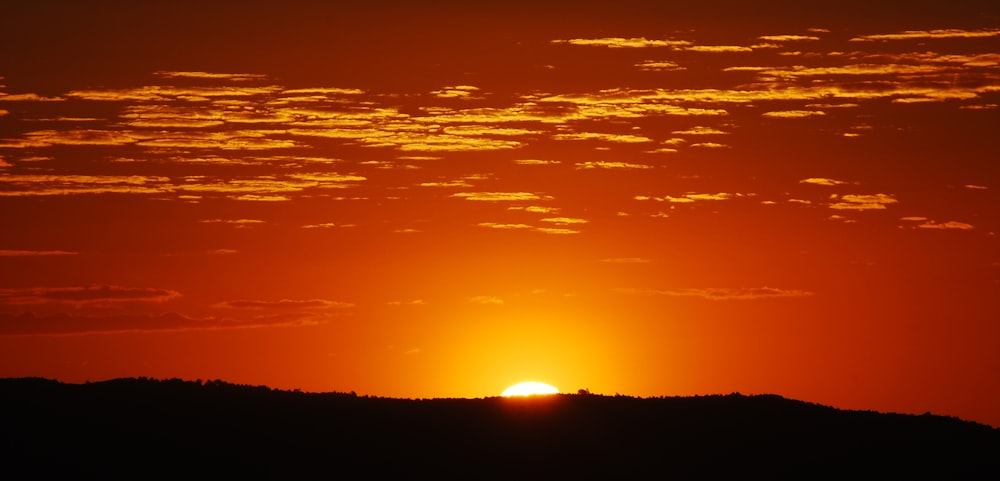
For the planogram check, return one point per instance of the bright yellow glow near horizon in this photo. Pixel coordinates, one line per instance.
(530, 388)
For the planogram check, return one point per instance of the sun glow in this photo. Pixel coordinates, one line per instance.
(530, 388)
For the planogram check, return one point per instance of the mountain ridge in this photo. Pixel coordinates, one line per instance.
(167, 428)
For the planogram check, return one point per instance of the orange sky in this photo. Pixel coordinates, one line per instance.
(444, 200)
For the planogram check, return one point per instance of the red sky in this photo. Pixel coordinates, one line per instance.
(442, 200)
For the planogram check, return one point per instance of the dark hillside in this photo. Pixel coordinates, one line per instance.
(148, 429)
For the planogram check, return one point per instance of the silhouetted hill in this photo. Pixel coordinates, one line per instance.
(143, 429)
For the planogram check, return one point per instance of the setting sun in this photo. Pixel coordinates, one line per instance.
(530, 388)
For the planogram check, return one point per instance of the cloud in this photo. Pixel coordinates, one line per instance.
(239, 223)
(261, 198)
(822, 181)
(531, 228)
(535, 162)
(27, 97)
(414, 302)
(456, 92)
(925, 223)
(33, 253)
(975, 187)
(787, 38)
(285, 304)
(616, 138)
(611, 165)
(658, 66)
(497, 225)
(557, 230)
(719, 294)
(82, 296)
(449, 183)
(700, 130)
(862, 202)
(717, 48)
(486, 300)
(497, 196)
(619, 42)
(237, 77)
(565, 220)
(793, 114)
(929, 34)
(691, 197)
(327, 225)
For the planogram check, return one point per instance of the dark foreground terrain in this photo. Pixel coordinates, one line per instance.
(148, 429)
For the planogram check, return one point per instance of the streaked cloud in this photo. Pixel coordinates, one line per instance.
(86, 295)
(565, 220)
(823, 181)
(691, 197)
(787, 38)
(616, 138)
(925, 223)
(536, 162)
(929, 34)
(456, 92)
(498, 196)
(497, 225)
(717, 48)
(34, 253)
(793, 114)
(611, 165)
(619, 42)
(237, 77)
(485, 300)
(721, 294)
(700, 130)
(861, 201)
(27, 97)
(658, 66)
(285, 304)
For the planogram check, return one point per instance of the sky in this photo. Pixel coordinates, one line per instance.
(440, 199)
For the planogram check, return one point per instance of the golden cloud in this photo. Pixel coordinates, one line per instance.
(861, 202)
(930, 34)
(619, 42)
(611, 165)
(719, 294)
(498, 196)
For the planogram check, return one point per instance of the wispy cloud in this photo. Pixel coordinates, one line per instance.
(34, 253)
(861, 201)
(691, 197)
(498, 196)
(600, 164)
(793, 114)
(787, 38)
(823, 181)
(238, 77)
(619, 42)
(929, 34)
(285, 304)
(486, 300)
(925, 223)
(720, 294)
(88, 295)
(658, 66)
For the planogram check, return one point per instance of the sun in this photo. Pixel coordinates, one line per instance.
(530, 388)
